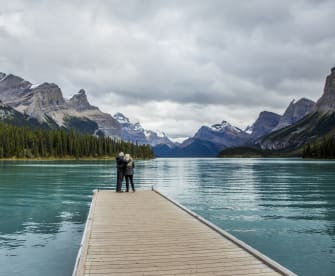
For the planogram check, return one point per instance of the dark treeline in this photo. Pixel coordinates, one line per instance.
(18, 142)
(321, 149)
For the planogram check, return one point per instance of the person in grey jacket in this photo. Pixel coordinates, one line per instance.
(121, 164)
(129, 172)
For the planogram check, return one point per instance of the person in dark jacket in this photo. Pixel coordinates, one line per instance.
(120, 171)
(129, 172)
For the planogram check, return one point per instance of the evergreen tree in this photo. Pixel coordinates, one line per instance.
(18, 142)
(324, 149)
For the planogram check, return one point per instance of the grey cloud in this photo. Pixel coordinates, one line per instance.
(252, 54)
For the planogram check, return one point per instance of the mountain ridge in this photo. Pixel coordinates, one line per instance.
(318, 123)
(134, 132)
(45, 104)
(210, 140)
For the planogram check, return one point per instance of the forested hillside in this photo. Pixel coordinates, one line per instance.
(324, 149)
(20, 142)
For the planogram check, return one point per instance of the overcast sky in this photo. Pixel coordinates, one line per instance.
(173, 65)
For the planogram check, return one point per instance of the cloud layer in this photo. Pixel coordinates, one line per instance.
(173, 65)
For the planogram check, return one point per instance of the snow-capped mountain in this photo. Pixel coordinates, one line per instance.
(158, 138)
(129, 131)
(135, 133)
(222, 134)
(207, 141)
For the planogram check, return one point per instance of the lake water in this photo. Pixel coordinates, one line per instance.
(285, 208)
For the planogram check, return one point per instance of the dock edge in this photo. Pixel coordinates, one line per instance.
(260, 256)
(81, 250)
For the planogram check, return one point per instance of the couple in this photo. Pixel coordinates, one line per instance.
(125, 168)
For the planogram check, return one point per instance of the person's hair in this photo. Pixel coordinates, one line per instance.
(127, 157)
(121, 154)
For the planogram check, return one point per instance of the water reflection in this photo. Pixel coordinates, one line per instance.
(284, 208)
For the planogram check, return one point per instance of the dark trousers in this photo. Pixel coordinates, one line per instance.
(119, 179)
(130, 178)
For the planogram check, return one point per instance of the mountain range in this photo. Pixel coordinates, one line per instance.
(303, 121)
(134, 132)
(317, 123)
(23, 103)
(209, 140)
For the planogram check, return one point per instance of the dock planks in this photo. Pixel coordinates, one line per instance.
(144, 233)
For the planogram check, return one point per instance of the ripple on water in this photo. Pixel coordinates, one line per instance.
(282, 207)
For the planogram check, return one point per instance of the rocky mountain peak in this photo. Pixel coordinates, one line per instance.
(294, 112)
(157, 133)
(134, 132)
(13, 89)
(44, 99)
(219, 135)
(121, 118)
(327, 101)
(11, 81)
(48, 94)
(47, 86)
(80, 103)
(138, 126)
(82, 92)
(224, 126)
(264, 124)
(157, 137)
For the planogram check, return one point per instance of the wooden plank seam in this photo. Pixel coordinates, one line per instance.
(260, 256)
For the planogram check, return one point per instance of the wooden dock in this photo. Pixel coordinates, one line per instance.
(146, 233)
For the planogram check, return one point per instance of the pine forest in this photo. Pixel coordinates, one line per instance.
(324, 149)
(19, 142)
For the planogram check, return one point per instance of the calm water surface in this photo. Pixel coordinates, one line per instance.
(285, 208)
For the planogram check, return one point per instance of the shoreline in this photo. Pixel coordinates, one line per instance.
(68, 159)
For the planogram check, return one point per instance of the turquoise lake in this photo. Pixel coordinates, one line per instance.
(284, 208)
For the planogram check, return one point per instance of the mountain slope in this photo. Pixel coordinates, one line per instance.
(295, 112)
(135, 133)
(319, 123)
(311, 127)
(13, 89)
(223, 135)
(206, 142)
(192, 148)
(264, 124)
(327, 102)
(46, 104)
(9, 115)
